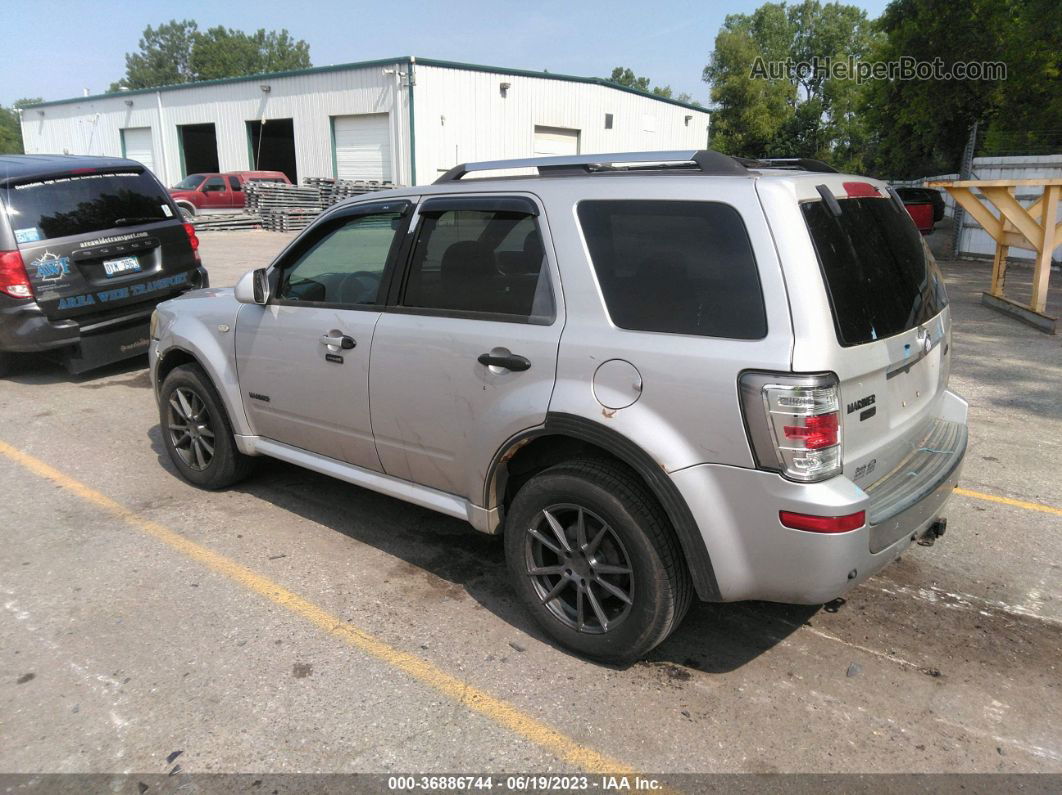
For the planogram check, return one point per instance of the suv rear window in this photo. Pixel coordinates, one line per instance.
(675, 266)
(81, 204)
(880, 276)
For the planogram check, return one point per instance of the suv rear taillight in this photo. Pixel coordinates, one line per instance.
(14, 280)
(793, 423)
(189, 230)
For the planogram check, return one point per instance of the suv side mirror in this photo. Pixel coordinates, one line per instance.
(253, 287)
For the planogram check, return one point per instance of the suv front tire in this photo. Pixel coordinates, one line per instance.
(595, 560)
(196, 430)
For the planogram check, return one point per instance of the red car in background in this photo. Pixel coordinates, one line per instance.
(925, 206)
(206, 193)
(922, 214)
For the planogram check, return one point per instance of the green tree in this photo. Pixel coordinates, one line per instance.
(224, 52)
(178, 52)
(790, 111)
(164, 57)
(921, 126)
(626, 77)
(11, 128)
(1028, 118)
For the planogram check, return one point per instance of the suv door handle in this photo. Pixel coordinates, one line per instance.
(507, 361)
(344, 342)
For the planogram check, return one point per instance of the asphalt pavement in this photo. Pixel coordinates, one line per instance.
(298, 624)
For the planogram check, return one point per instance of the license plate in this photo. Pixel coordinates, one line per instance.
(116, 267)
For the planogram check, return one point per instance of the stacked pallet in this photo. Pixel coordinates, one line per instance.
(288, 208)
(336, 190)
(288, 219)
(223, 222)
(264, 196)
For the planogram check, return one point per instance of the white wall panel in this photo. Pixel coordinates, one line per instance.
(363, 146)
(463, 115)
(138, 144)
(92, 126)
(555, 141)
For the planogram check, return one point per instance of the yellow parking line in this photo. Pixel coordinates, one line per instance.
(1029, 506)
(494, 709)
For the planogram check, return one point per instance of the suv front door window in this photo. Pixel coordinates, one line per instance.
(303, 360)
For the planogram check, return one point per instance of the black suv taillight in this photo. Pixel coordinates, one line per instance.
(14, 280)
(793, 423)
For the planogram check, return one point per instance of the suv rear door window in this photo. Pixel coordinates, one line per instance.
(879, 274)
(682, 267)
(488, 262)
(81, 204)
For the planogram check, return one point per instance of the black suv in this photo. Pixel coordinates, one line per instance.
(88, 247)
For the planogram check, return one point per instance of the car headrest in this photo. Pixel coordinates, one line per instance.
(467, 261)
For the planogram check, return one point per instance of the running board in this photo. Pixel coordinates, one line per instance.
(484, 520)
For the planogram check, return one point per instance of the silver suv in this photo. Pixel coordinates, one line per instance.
(655, 374)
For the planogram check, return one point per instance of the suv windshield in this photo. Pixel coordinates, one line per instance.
(191, 182)
(82, 203)
(879, 274)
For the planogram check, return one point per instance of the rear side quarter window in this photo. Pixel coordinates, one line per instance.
(679, 267)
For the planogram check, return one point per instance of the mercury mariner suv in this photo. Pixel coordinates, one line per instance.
(656, 375)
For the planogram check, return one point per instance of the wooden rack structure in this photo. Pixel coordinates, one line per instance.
(1033, 228)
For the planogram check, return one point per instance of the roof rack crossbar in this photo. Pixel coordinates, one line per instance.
(707, 161)
(804, 163)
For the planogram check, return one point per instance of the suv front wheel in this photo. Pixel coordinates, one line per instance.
(594, 558)
(197, 432)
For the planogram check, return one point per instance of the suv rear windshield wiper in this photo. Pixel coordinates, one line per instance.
(133, 220)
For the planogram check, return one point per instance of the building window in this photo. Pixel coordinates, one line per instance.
(608, 121)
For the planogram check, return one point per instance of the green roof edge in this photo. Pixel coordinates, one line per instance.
(600, 81)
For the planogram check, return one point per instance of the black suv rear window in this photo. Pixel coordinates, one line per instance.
(682, 267)
(80, 204)
(879, 274)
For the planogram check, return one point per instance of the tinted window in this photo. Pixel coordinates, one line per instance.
(191, 182)
(213, 184)
(234, 183)
(79, 205)
(880, 276)
(673, 266)
(345, 264)
(483, 261)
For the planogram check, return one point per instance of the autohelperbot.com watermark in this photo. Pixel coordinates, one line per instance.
(905, 67)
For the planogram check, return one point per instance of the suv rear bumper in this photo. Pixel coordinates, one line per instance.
(755, 557)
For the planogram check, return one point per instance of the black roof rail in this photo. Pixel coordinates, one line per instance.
(704, 160)
(802, 163)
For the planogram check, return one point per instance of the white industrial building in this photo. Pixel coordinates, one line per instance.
(403, 120)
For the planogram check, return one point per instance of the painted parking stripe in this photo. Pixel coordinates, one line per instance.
(494, 709)
(1029, 506)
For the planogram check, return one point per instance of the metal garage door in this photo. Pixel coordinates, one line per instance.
(136, 145)
(363, 146)
(556, 141)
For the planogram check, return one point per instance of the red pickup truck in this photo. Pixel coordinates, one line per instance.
(206, 193)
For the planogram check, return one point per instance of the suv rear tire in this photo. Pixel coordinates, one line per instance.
(612, 590)
(5, 363)
(197, 432)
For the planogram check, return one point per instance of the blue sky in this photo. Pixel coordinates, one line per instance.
(56, 48)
